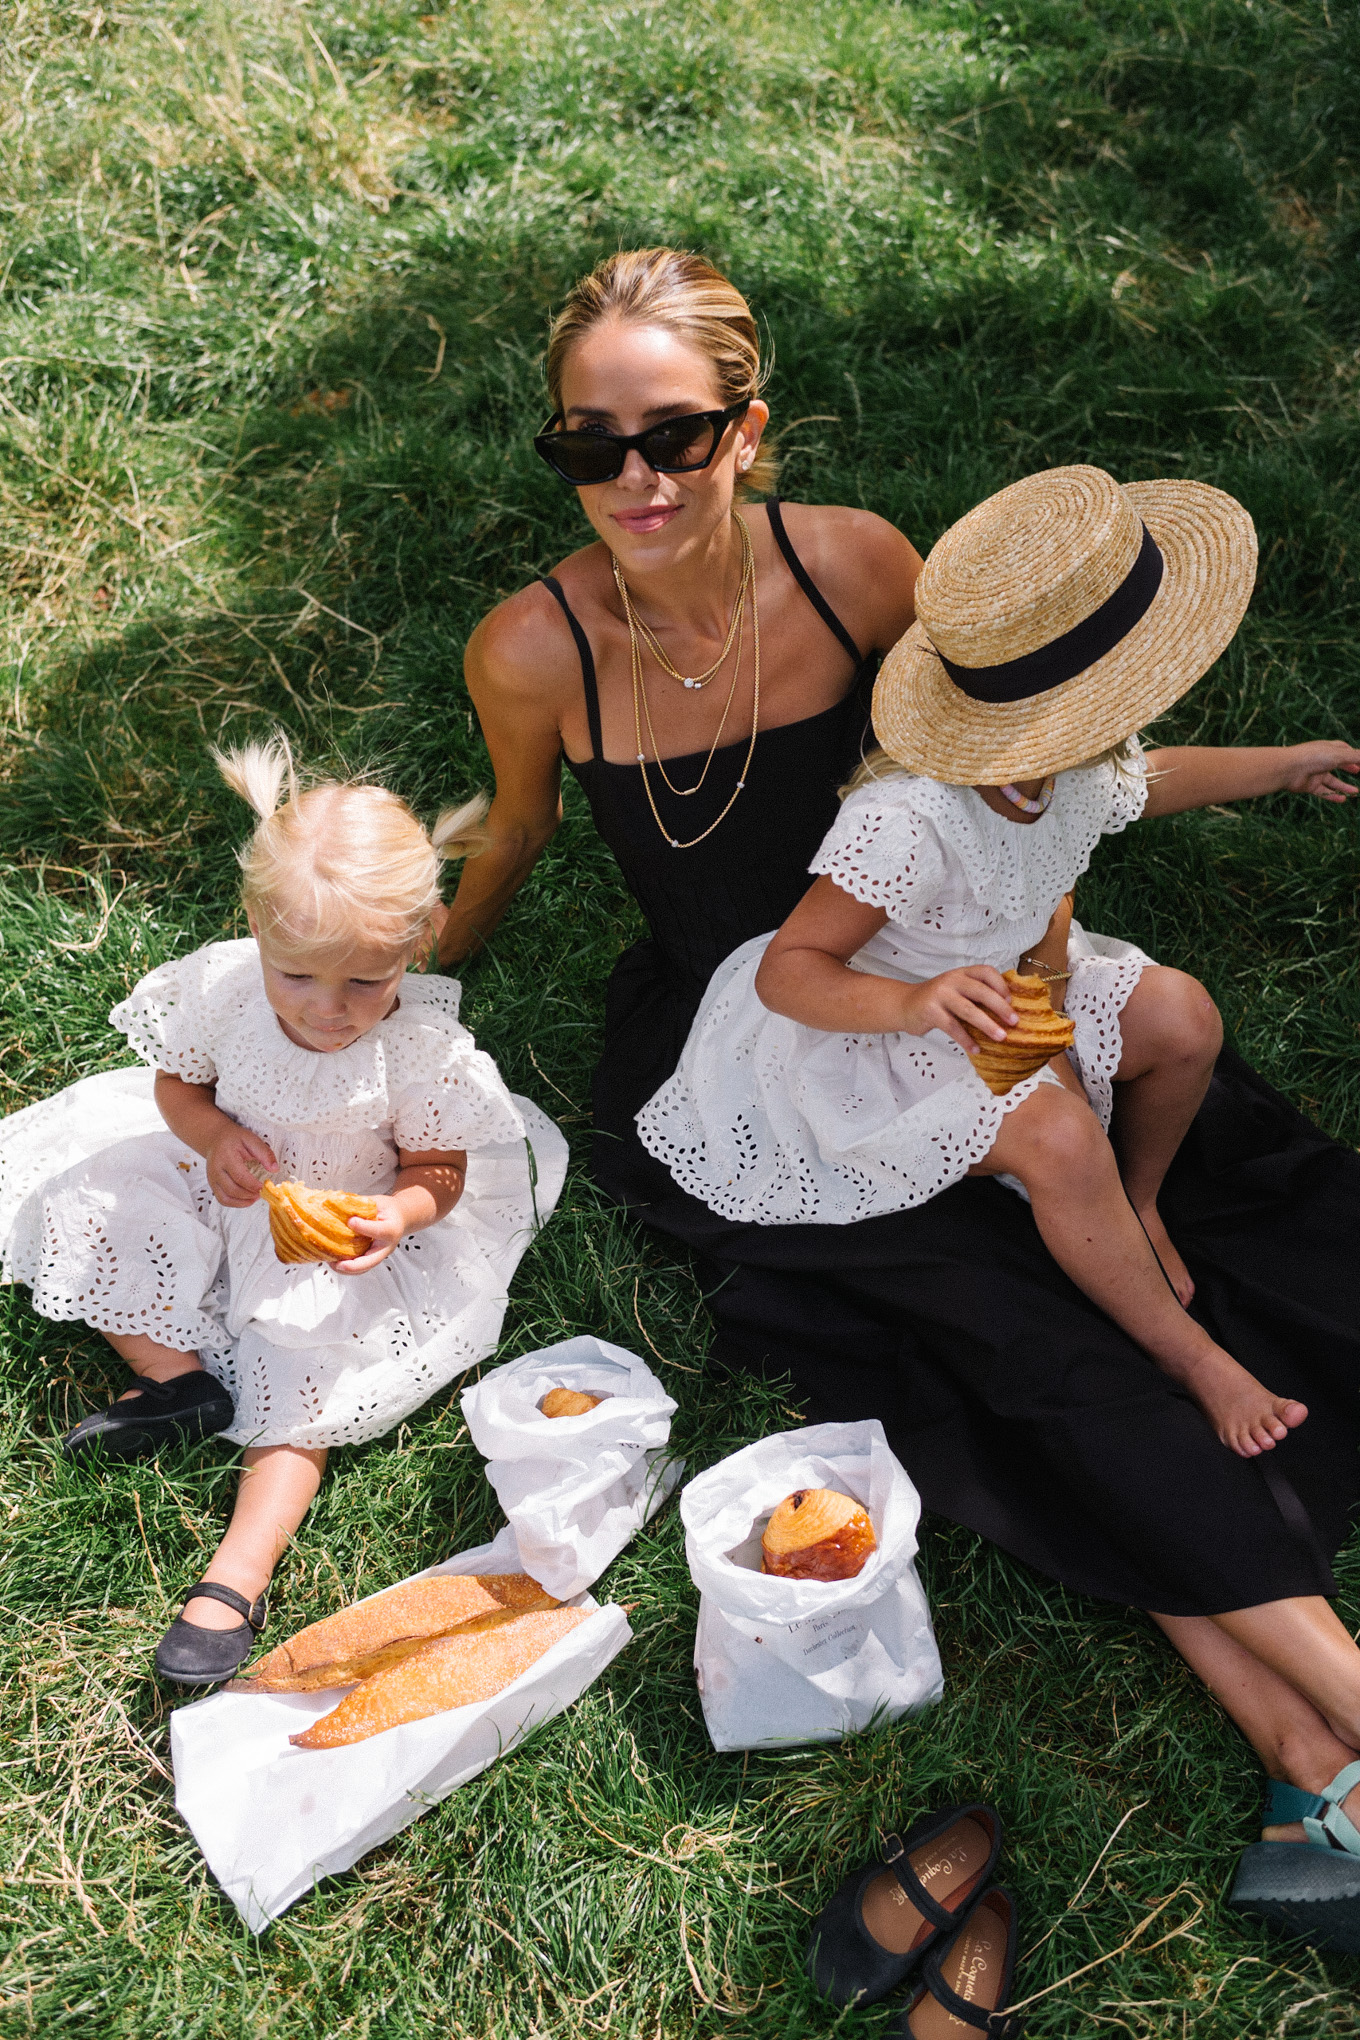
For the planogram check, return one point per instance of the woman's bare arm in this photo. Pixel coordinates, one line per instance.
(1199, 775)
(518, 669)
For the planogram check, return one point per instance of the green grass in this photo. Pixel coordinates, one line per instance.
(273, 290)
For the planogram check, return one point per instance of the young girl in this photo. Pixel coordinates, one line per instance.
(309, 1052)
(827, 1076)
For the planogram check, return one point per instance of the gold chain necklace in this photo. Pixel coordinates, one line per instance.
(658, 650)
(640, 704)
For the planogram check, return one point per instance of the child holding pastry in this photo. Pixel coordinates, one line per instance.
(310, 1054)
(836, 1069)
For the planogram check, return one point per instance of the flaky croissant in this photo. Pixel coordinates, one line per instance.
(1039, 1035)
(310, 1225)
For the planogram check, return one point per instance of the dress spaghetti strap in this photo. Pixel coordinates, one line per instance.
(807, 584)
(588, 681)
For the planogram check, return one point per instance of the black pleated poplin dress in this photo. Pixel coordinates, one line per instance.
(1018, 1407)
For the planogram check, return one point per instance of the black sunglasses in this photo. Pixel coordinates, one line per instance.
(677, 446)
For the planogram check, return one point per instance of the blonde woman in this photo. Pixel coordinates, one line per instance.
(733, 644)
(310, 1052)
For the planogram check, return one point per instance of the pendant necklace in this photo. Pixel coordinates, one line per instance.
(1023, 801)
(701, 680)
(642, 708)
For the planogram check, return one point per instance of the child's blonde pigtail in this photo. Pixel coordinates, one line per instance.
(458, 831)
(262, 774)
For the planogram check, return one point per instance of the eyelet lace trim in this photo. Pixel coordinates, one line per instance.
(887, 846)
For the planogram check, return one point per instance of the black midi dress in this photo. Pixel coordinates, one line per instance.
(1018, 1408)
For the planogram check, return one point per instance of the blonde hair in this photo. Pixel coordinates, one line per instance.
(876, 764)
(685, 294)
(338, 864)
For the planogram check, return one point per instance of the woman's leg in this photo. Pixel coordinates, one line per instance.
(1171, 1038)
(150, 1361)
(1054, 1145)
(278, 1483)
(1293, 1739)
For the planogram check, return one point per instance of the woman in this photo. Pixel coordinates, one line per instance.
(733, 648)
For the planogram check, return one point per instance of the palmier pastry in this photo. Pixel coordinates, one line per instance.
(1038, 1035)
(311, 1225)
(380, 1632)
(817, 1534)
(568, 1402)
(454, 1671)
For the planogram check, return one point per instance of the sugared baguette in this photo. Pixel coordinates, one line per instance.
(454, 1671)
(376, 1634)
(1039, 1035)
(817, 1534)
(568, 1402)
(313, 1225)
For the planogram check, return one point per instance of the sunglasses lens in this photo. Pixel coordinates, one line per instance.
(678, 444)
(583, 457)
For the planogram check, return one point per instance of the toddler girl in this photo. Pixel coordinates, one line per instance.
(309, 1052)
(827, 1076)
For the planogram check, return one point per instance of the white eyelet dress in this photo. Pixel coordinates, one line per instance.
(770, 1122)
(109, 1217)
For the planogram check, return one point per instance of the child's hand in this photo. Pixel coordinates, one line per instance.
(385, 1231)
(236, 1161)
(1312, 768)
(976, 994)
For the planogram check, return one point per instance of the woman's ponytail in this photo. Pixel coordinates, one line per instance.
(262, 774)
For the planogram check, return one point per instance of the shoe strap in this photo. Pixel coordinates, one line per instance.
(1333, 1829)
(256, 1613)
(895, 1856)
(1000, 2025)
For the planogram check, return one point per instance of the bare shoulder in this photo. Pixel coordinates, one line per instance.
(522, 650)
(865, 567)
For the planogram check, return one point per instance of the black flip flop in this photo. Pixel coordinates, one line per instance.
(192, 1656)
(191, 1407)
(992, 2019)
(845, 1961)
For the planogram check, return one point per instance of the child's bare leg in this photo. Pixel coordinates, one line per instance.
(278, 1483)
(1171, 1037)
(1054, 1145)
(150, 1361)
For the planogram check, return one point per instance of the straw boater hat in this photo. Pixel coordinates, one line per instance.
(1059, 617)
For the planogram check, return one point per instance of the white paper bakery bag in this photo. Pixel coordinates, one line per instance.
(575, 1489)
(271, 1819)
(783, 1661)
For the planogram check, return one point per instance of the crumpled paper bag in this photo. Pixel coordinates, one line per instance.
(271, 1819)
(575, 1489)
(792, 1661)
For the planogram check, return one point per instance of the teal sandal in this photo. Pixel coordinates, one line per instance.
(1309, 1889)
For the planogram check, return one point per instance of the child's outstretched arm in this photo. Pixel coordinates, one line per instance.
(427, 1188)
(805, 974)
(1199, 775)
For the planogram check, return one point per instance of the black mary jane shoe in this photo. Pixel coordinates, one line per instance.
(193, 1656)
(970, 1975)
(182, 1411)
(845, 1961)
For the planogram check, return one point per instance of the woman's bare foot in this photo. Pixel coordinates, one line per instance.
(1248, 1419)
(1173, 1267)
(200, 1613)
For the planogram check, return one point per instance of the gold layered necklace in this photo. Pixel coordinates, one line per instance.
(736, 629)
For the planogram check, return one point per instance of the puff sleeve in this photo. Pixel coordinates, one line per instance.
(172, 1015)
(444, 1091)
(882, 852)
